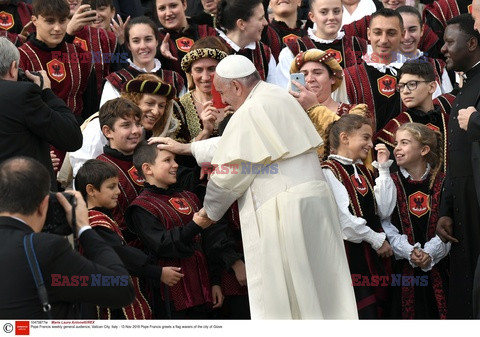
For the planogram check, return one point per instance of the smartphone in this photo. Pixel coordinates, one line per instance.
(299, 77)
(91, 13)
(217, 98)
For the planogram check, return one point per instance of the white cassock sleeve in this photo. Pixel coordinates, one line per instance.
(355, 229)
(204, 150)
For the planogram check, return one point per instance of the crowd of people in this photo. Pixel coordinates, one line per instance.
(250, 160)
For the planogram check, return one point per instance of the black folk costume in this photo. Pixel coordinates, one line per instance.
(259, 53)
(136, 262)
(435, 119)
(67, 66)
(419, 293)
(130, 184)
(374, 84)
(180, 44)
(102, 45)
(277, 35)
(15, 20)
(353, 187)
(348, 51)
(163, 221)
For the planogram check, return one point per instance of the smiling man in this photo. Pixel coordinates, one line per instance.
(373, 82)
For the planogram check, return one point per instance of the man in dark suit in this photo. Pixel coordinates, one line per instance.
(24, 201)
(32, 117)
(459, 220)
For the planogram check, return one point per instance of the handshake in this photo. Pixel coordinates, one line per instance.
(201, 219)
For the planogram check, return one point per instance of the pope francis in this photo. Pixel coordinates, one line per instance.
(294, 254)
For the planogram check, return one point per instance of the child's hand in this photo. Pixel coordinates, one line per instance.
(240, 272)
(201, 219)
(420, 258)
(385, 250)
(217, 297)
(382, 153)
(171, 275)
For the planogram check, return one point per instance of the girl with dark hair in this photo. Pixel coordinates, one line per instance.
(141, 39)
(177, 33)
(362, 202)
(240, 24)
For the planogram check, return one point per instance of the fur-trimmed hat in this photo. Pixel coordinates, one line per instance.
(201, 53)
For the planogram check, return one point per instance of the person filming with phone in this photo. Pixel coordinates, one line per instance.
(315, 74)
(33, 117)
(30, 257)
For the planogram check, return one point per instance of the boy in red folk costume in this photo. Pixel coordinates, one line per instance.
(67, 65)
(120, 124)
(167, 222)
(98, 183)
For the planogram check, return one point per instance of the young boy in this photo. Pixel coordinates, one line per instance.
(120, 123)
(168, 224)
(416, 84)
(98, 183)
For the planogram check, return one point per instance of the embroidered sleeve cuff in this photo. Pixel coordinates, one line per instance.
(375, 239)
(383, 168)
(416, 245)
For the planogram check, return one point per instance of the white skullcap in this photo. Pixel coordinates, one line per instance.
(235, 66)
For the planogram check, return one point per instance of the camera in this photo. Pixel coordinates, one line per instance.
(56, 221)
(22, 77)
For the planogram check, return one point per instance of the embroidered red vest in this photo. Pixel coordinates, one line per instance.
(404, 215)
(139, 309)
(130, 185)
(101, 45)
(121, 77)
(68, 69)
(173, 211)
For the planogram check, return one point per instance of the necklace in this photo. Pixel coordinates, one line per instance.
(196, 99)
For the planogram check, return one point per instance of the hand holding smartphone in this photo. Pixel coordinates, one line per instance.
(300, 78)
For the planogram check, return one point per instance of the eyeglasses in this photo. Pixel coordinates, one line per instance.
(411, 85)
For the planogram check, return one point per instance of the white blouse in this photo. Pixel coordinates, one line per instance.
(356, 229)
(402, 249)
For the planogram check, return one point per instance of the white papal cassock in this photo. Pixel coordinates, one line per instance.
(294, 253)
